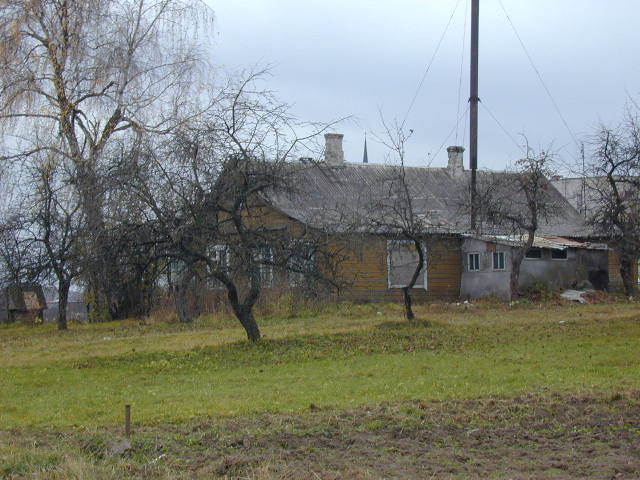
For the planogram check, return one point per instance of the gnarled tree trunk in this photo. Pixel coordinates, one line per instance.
(244, 310)
(249, 323)
(517, 256)
(626, 272)
(63, 298)
(406, 291)
(408, 310)
(181, 298)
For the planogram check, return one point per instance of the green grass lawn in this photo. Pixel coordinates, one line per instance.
(342, 357)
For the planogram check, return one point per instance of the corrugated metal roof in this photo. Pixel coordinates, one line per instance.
(338, 197)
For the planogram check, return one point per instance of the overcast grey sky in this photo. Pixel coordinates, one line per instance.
(333, 59)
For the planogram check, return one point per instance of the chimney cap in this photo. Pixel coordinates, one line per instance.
(455, 148)
(456, 162)
(334, 135)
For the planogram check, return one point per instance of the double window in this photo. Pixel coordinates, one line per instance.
(498, 260)
(474, 261)
(264, 257)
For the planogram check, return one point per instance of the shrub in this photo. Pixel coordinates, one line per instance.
(539, 292)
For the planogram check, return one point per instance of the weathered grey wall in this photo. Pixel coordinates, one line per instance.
(558, 274)
(485, 282)
(562, 273)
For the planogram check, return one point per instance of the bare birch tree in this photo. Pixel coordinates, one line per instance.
(80, 78)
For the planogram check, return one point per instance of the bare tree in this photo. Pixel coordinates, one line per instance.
(56, 224)
(517, 204)
(207, 193)
(396, 212)
(40, 238)
(79, 79)
(20, 259)
(614, 187)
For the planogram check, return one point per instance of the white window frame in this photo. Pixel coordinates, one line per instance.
(224, 255)
(265, 270)
(390, 244)
(499, 254)
(470, 263)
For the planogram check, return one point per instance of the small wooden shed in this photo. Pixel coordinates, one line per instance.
(25, 301)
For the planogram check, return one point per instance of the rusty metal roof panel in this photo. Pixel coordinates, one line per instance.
(547, 241)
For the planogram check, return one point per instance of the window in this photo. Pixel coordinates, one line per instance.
(301, 263)
(559, 254)
(534, 253)
(402, 260)
(218, 254)
(219, 261)
(264, 258)
(473, 262)
(498, 260)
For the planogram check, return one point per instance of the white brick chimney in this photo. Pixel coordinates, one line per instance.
(333, 153)
(456, 161)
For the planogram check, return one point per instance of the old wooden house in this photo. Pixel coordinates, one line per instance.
(362, 206)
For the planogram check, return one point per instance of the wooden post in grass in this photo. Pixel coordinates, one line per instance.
(127, 420)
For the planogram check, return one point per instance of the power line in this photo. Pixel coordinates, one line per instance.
(464, 115)
(533, 65)
(426, 72)
(495, 119)
(564, 163)
(465, 122)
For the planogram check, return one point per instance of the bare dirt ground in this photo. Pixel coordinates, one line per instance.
(522, 438)
(530, 437)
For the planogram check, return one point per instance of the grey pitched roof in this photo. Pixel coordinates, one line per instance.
(339, 198)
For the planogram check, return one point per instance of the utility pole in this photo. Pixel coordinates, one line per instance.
(473, 108)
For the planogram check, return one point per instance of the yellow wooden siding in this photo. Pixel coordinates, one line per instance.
(264, 215)
(614, 268)
(365, 269)
(364, 264)
(615, 279)
(445, 267)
